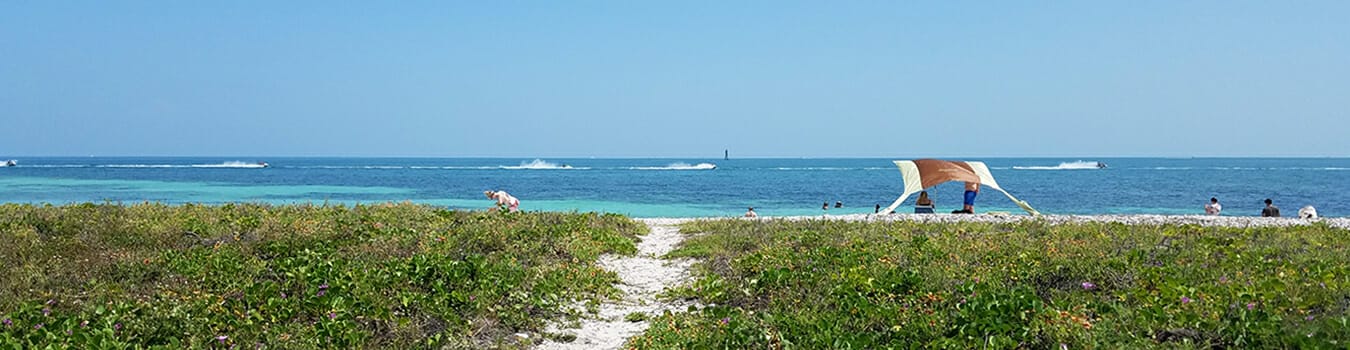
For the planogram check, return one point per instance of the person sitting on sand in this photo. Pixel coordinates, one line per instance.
(1270, 211)
(838, 204)
(503, 200)
(1213, 208)
(923, 205)
(1307, 212)
(751, 213)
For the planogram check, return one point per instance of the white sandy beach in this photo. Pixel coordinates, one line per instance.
(1133, 219)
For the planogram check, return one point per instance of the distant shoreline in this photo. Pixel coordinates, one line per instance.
(1128, 219)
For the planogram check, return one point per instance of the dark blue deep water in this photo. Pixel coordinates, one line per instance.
(687, 187)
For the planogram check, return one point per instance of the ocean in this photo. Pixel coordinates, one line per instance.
(686, 187)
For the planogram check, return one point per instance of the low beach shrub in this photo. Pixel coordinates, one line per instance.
(841, 285)
(294, 276)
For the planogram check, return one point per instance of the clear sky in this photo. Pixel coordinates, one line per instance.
(675, 78)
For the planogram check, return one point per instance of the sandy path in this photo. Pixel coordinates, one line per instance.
(644, 276)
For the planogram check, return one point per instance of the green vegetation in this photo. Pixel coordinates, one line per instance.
(387, 276)
(841, 285)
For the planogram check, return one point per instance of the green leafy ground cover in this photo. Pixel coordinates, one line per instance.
(841, 285)
(383, 276)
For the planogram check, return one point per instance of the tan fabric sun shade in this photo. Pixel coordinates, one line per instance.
(933, 172)
(925, 173)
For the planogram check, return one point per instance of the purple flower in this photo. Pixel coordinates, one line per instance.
(1185, 300)
(1089, 286)
(323, 286)
(1309, 318)
(283, 295)
(471, 298)
(221, 338)
(332, 315)
(67, 332)
(46, 311)
(725, 320)
(51, 301)
(7, 322)
(117, 327)
(320, 293)
(1251, 306)
(37, 326)
(1223, 279)
(84, 324)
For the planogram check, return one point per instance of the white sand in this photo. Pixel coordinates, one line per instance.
(646, 275)
(1203, 220)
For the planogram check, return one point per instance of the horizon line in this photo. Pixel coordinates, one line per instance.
(684, 157)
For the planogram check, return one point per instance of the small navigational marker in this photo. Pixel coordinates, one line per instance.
(726, 154)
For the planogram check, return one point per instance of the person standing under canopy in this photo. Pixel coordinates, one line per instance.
(968, 205)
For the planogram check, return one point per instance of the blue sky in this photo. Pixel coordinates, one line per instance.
(676, 79)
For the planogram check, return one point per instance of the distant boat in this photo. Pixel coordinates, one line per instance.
(10, 163)
(1101, 165)
(264, 164)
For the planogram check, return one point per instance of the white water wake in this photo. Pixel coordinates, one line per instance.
(1078, 165)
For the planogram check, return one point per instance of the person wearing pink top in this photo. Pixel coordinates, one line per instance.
(503, 199)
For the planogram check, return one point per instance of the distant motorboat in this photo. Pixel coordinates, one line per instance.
(264, 164)
(1101, 165)
(10, 163)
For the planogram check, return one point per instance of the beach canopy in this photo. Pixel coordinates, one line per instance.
(920, 174)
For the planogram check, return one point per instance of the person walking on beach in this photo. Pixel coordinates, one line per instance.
(1270, 211)
(504, 200)
(751, 213)
(1213, 208)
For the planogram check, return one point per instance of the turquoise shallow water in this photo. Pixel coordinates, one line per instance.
(686, 187)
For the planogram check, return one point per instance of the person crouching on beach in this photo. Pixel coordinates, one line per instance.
(1308, 212)
(1213, 208)
(751, 213)
(504, 200)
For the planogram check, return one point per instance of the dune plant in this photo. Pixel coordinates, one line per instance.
(294, 276)
(843, 285)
